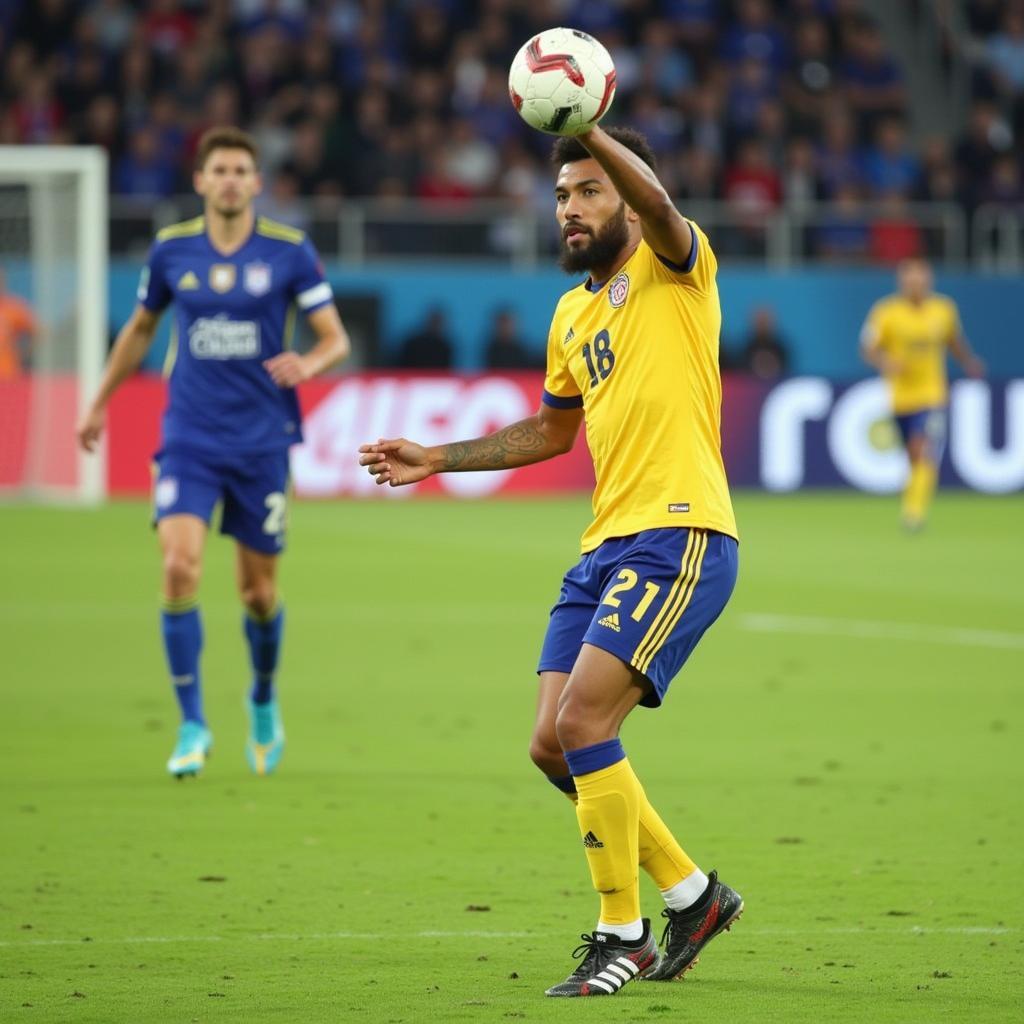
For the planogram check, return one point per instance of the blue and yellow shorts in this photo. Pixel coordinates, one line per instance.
(931, 423)
(647, 599)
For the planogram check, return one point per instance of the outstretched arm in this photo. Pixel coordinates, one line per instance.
(549, 432)
(965, 356)
(664, 228)
(129, 349)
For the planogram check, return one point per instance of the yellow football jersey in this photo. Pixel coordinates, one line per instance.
(917, 337)
(640, 354)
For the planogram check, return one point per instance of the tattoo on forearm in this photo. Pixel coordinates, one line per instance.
(515, 445)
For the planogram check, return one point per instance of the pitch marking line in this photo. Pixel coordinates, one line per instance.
(370, 936)
(762, 622)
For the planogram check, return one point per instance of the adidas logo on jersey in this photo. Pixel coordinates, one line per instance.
(188, 282)
(569, 336)
(592, 842)
(611, 621)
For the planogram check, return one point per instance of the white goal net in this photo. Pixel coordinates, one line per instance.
(53, 318)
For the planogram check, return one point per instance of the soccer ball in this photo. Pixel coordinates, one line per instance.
(562, 82)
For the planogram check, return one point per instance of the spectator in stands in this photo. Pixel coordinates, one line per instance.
(506, 350)
(429, 347)
(48, 24)
(894, 235)
(800, 186)
(873, 80)
(143, 173)
(1004, 53)
(1003, 186)
(890, 165)
(664, 68)
(696, 23)
(755, 36)
(843, 236)
(753, 190)
(764, 354)
(838, 163)
(987, 137)
(18, 332)
(37, 112)
(811, 77)
(751, 85)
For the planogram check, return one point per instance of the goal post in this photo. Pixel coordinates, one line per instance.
(53, 250)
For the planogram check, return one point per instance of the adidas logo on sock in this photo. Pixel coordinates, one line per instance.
(611, 621)
(592, 842)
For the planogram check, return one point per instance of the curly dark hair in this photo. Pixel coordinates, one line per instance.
(568, 149)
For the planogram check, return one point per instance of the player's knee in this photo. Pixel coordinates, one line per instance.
(181, 572)
(259, 597)
(572, 726)
(547, 756)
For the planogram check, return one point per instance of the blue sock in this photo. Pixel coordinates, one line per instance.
(182, 631)
(264, 637)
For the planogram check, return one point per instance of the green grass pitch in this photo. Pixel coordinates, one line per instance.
(845, 746)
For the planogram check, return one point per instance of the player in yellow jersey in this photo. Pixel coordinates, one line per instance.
(906, 337)
(634, 350)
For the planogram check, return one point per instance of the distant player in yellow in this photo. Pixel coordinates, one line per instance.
(906, 337)
(634, 350)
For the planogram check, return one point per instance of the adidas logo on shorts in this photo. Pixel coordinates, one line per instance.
(611, 621)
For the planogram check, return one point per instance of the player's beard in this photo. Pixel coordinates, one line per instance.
(602, 250)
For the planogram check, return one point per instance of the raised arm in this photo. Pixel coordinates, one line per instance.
(129, 350)
(664, 228)
(549, 432)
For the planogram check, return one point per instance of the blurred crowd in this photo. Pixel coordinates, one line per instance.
(754, 102)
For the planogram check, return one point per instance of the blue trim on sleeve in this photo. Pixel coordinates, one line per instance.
(691, 261)
(560, 402)
(595, 757)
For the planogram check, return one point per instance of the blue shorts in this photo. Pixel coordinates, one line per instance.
(251, 488)
(930, 423)
(647, 599)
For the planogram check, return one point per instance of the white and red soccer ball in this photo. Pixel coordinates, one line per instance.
(562, 81)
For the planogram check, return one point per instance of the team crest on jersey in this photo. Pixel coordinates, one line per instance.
(618, 290)
(222, 277)
(256, 278)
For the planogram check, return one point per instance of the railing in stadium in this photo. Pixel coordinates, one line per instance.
(363, 231)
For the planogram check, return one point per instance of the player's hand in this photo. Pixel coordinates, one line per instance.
(395, 462)
(288, 369)
(90, 427)
(892, 367)
(975, 368)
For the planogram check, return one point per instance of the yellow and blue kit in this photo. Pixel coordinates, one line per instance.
(916, 337)
(639, 354)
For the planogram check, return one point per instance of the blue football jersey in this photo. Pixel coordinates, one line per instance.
(231, 313)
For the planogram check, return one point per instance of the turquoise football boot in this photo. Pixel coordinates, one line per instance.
(191, 751)
(265, 744)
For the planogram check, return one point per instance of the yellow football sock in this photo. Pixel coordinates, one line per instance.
(661, 856)
(608, 811)
(919, 490)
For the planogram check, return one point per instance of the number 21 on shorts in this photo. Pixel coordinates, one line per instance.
(276, 504)
(628, 579)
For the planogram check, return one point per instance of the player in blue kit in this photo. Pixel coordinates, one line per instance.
(232, 414)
